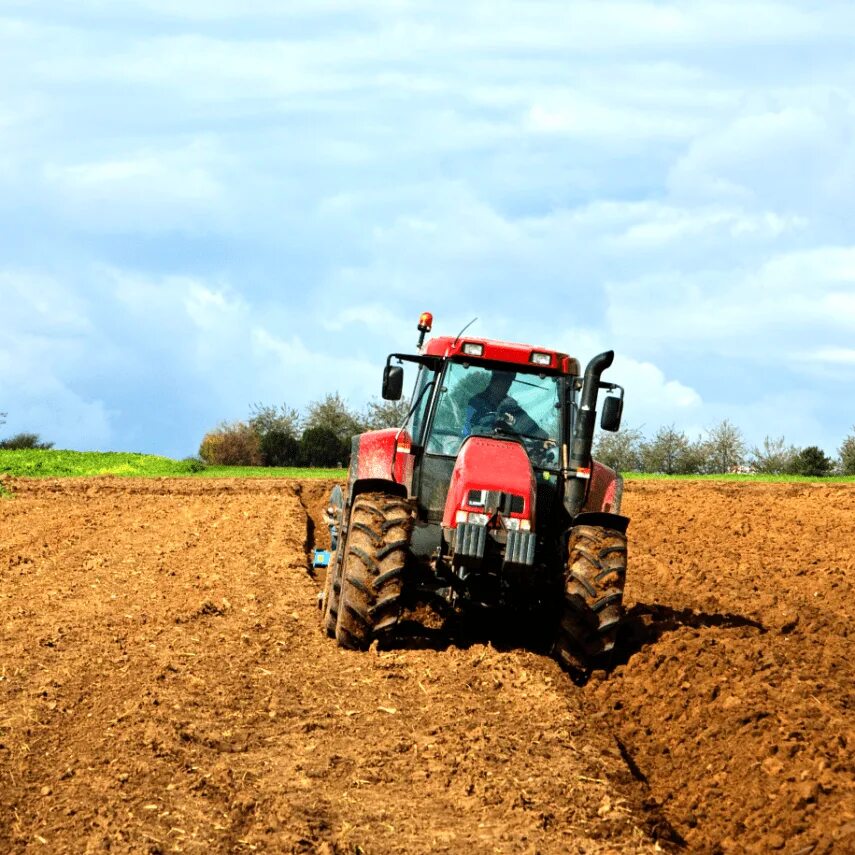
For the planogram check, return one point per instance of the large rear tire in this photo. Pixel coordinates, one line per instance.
(593, 595)
(372, 569)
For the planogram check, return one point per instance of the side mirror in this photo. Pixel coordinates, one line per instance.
(612, 412)
(393, 382)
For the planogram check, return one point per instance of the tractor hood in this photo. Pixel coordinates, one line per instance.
(490, 477)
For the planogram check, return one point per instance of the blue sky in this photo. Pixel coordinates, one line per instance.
(209, 204)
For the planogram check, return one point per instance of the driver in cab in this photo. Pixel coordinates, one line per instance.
(495, 408)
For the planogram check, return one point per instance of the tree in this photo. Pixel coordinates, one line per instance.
(847, 454)
(320, 446)
(774, 458)
(332, 413)
(278, 431)
(621, 450)
(813, 462)
(3, 418)
(725, 447)
(385, 414)
(264, 419)
(695, 459)
(24, 440)
(669, 452)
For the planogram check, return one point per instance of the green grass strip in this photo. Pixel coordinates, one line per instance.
(269, 472)
(37, 463)
(743, 478)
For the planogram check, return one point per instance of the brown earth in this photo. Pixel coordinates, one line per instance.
(164, 686)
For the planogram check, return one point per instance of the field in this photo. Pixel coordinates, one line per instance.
(164, 686)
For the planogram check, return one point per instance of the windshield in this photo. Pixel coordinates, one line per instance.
(475, 400)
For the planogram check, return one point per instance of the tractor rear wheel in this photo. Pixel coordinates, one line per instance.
(372, 569)
(593, 594)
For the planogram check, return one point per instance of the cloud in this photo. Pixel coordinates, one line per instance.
(206, 204)
(795, 158)
(146, 191)
(44, 343)
(758, 313)
(833, 355)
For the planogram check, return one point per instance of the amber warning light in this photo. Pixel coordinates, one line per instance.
(425, 323)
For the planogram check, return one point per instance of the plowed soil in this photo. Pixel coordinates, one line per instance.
(165, 687)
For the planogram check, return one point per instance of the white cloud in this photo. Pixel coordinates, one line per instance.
(833, 355)
(153, 190)
(758, 314)
(292, 184)
(790, 158)
(615, 123)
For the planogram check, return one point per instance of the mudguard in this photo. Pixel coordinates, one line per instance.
(605, 490)
(602, 520)
(381, 459)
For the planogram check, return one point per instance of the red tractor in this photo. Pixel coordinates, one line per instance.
(486, 497)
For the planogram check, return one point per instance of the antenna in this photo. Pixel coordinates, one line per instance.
(464, 329)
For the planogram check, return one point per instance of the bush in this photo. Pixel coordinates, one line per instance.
(234, 444)
(279, 448)
(319, 446)
(24, 440)
(813, 462)
(195, 464)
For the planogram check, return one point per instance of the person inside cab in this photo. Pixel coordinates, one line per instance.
(494, 408)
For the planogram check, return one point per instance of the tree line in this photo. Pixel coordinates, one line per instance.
(283, 436)
(721, 449)
(320, 436)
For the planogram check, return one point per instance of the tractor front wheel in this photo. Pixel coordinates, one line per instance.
(593, 594)
(372, 569)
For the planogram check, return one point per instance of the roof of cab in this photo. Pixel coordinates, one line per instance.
(502, 351)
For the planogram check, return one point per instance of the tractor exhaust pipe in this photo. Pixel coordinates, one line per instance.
(579, 463)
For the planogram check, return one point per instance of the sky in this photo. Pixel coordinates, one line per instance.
(206, 204)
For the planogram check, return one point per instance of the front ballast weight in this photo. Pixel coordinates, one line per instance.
(470, 545)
